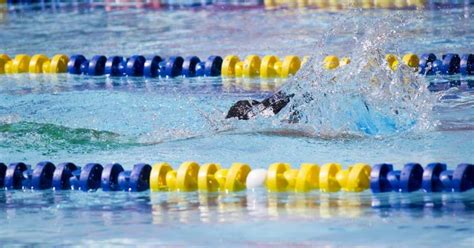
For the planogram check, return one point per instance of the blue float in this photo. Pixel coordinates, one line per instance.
(171, 67)
(14, 176)
(409, 179)
(451, 64)
(69, 176)
(115, 178)
(135, 66)
(436, 67)
(42, 176)
(426, 63)
(110, 177)
(190, 66)
(467, 64)
(431, 177)
(384, 179)
(136, 180)
(90, 177)
(77, 64)
(114, 66)
(459, 180)
(63, 174)
(378, 178)
(152, 66)
(3, 170)
(97, 66)
(213, 66)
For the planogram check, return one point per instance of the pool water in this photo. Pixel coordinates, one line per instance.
(131, 120)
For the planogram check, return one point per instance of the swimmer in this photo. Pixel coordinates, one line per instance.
(247, 109)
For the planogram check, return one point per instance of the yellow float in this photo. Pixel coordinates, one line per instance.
(213, 178)
(355, 178)
(164, 178)
(20, 64)
(281, 178)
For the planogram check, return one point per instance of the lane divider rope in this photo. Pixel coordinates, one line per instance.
(333, 5)
(345, 4)
(231, 66)
(211, 177)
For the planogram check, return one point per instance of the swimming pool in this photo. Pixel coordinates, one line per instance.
(128, 120)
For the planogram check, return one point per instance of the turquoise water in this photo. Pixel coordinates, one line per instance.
(247, 219)
(131, 120)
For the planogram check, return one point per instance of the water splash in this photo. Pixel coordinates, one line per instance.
(364, 97)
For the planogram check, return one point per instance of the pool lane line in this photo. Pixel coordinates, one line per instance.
(212, 177)
(230, 66)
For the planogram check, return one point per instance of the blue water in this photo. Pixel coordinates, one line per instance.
(131, 120)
